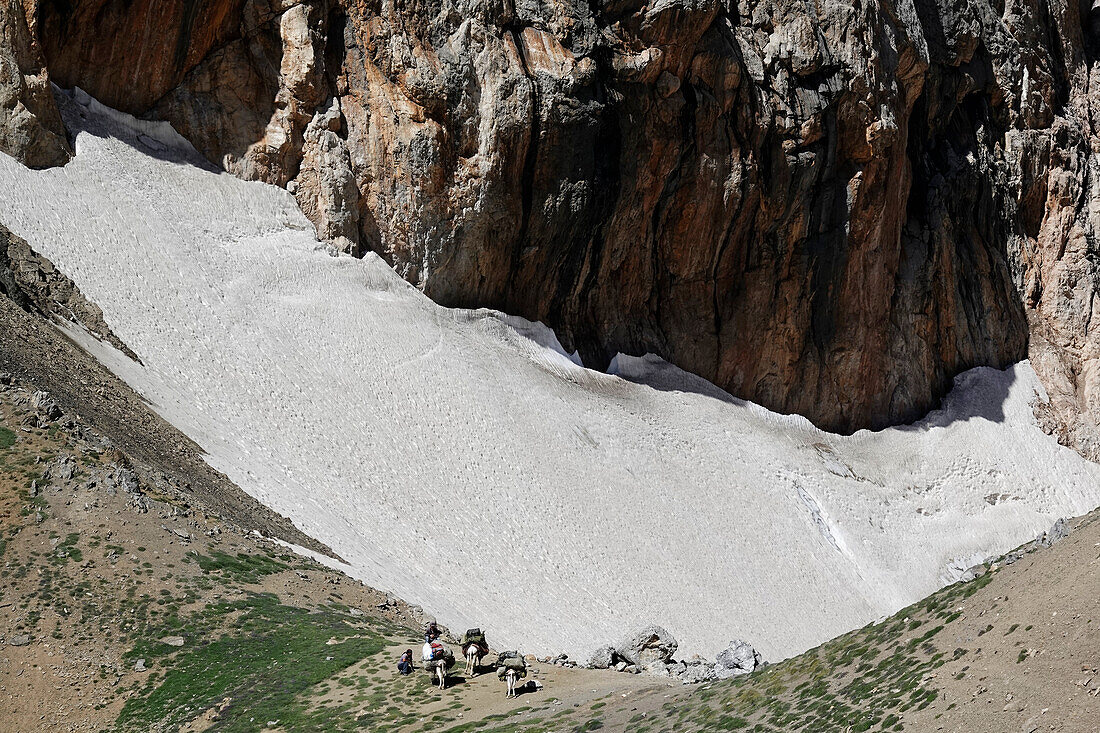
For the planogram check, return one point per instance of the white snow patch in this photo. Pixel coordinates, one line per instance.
(572, 506)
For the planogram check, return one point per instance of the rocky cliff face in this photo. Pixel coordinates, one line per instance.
(30, 126)
(829, 208)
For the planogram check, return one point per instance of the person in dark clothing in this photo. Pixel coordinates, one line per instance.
(405, 664)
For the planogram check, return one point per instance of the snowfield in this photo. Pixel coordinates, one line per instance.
(460, 460)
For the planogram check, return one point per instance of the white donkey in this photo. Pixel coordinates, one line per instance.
(473, 654)
(511, 677)
(440, 672)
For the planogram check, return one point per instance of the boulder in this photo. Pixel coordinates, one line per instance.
(45, 406)
(652, 647)
(1058, 531)
(602, 658)
(694, 670)
(737, 659)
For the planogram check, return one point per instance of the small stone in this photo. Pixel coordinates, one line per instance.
(139, 665)
(173, 640)
(20, 640)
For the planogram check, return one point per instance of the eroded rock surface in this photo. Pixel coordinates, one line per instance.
(827, 208)
(30, 126)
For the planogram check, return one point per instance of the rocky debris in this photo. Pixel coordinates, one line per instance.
(737, 659)
(972, 573)
(651, 651)
(45, 406)
(62, 469)
(693, 671)
(34, 284)
(123, 478)
(20, 640)
(1058, 531)
(30, 126)
(561, 660)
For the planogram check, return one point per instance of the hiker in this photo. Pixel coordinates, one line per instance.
(432, 631)
(426, 650)
(405, 664)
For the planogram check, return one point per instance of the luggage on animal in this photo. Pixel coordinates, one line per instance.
(476, 637)
(507, 655)
(515, 663)
(446, 662)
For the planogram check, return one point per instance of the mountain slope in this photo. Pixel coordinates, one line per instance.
(101, 571)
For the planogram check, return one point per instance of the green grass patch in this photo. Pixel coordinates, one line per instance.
(241, 567)
(7, 438)
(272, 654)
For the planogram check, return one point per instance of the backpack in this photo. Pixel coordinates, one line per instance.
(438, 650)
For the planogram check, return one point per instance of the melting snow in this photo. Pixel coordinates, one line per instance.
(463, 461)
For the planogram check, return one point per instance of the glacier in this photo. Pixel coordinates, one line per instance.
(462, 460)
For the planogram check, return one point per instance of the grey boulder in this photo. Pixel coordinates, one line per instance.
(737, 659)
(650, 648)
(602, 658)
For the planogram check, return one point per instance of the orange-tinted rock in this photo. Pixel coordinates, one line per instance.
(30, 125)
(130, 54)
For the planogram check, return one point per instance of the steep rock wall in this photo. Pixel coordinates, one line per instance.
(30, 126)
(828, 208)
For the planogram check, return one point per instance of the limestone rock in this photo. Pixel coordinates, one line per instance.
(45, 406)
(649, 648)
(30, 125)
(602, 658)
(737, 659)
